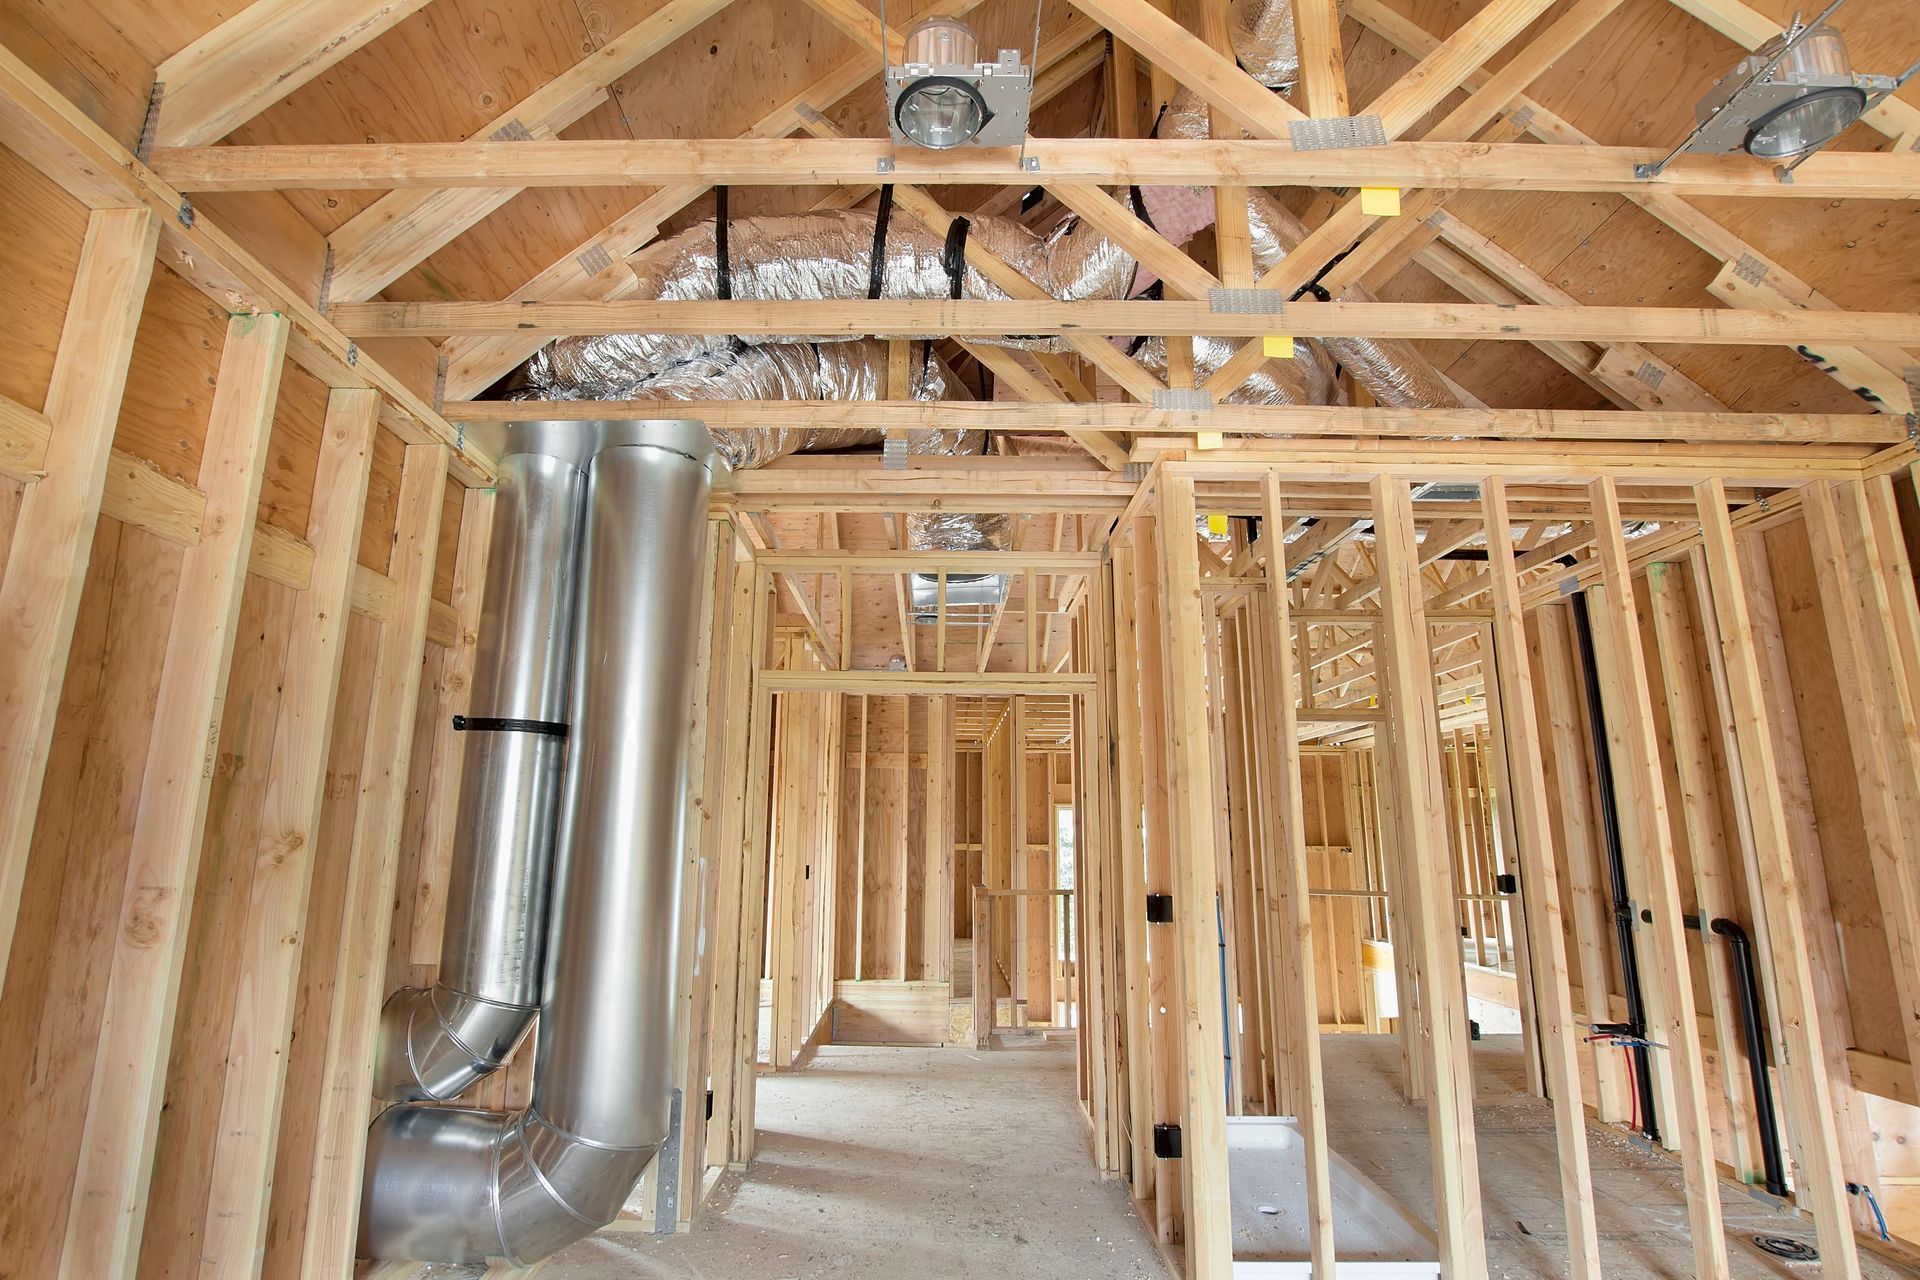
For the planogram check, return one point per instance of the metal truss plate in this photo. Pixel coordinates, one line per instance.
(1247, 302)
(1183, 399)
(1750, 269)
(1337, 133)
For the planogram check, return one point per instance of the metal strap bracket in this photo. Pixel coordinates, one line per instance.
(1247, 302)
(1183, 399)
(1337, 133)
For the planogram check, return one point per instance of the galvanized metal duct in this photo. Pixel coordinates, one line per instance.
(457, 1185)
(437, 1041)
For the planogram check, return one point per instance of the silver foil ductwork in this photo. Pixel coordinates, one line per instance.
(458, 1185)
(436, 1042)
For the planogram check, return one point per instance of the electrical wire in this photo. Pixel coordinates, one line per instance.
(1873, 1203)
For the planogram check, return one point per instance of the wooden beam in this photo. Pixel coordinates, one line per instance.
(1074, 320)
(973, 684)
(596, 266)
(1427, 875)
(1859, 615)
(107, 1211)
(50, 132)
(1291, 924)
(1630, 373)
(1192, 795)
(1428, 83)
(53, 530)
(1688, 1120)
(1191, 61)
(452, 697)
(346, 1081)
(255, 58)
(395, 233)
(1006, 367)
(1184, 277)
(1231, 419)
(1323, 69)
(1012, 281)
(1776, 287)
(233, 1235)
(1540, 888)
(749, 717)
(1820, 1186)
(1692, 728)
(927, 562)
(1332, 243)
(1440, 162)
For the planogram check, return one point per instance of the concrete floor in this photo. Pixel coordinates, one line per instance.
(1639, 1201)
(903, 1164)
(919, 1164)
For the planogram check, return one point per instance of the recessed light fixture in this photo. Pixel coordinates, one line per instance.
(942, 96)
(1785, 100)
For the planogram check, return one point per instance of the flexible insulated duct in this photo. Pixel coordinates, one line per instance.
(457, 1185)
(617, 368)
(436, 1041)
(1263, 41)
(833, 255)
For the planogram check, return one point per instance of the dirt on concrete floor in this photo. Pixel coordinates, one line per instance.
(903, 1164)
(1639, 1197)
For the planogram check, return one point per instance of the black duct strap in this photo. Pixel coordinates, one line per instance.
(1139, 202)
(953, 259)
(722, 267)
(877, 264)
(723, 259)
(506, 724)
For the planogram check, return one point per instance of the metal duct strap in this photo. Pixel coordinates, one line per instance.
(455, 1185)
(436, 1042)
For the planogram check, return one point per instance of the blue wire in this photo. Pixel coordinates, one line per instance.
(1862, 1189)
(1879, 1217)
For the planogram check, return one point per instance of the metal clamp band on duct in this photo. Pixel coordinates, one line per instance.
(457, 1185)
(436, 1042)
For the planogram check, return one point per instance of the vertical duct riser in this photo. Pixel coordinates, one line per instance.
(453, 1185)
(437, 1042)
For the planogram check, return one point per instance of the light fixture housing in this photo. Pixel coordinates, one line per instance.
(942, 96)
(1799, 106)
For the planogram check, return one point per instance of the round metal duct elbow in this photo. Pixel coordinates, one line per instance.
(446, 1184)
(436, 1042)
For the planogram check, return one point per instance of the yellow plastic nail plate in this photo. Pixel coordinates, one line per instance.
(1217, 526)
(1381, 202)
(1277, 347)
(1208, 439)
